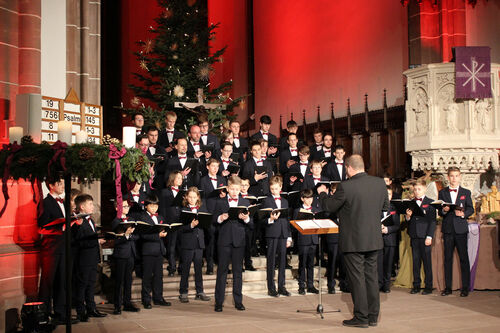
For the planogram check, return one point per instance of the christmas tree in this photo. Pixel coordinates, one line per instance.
(176, 63)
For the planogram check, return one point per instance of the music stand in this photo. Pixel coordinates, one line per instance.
(317, 227)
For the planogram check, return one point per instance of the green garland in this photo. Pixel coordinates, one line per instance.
(87, 161)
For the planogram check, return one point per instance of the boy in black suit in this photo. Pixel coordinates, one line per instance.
(192, 245)
(206, 137)
(390, 228)
(291, 127)
(88, 258)
(287, 154)
(278, 237)
(52, 279)
(263, 133)
(123, 257)
(178, 162)
(225, 159)
(335, 170)
(421, 230)
(240, 144)
(168, 137)
(326, 151)
(307, 247)
(316, 175)
(230, 243)
(208, 184)
(153, 251)
(259, 182)
(318, 141)
(294, 183)
(455, 229)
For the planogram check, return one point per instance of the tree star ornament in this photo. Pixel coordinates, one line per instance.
(135, 102)
(204, 72)
(148, 46)
(178, 91)
(143, 65)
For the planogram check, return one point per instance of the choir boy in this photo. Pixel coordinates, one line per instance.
(138, 122)
(123, 257)
(230, 243)
(307, 247)
(263, 133)
(225, 158)
(178, 162)
(264, 154)
(311, 180)
(173, 211)
(318, 141)
(455, 230)
(294, 183)
(289, 153)
(136, 197)
(168, 137)
(192, 245)
(326, 151)
(206, 137)
(291, 127)
(250, 240)
(240, 144)
(278, 237)
(52, 279)
(87, 261)
(335, 170)
(390, 228)
(153, 251)
(259, 182)
(208, 184)
(421, 230)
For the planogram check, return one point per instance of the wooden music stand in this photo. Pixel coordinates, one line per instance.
(317, 227)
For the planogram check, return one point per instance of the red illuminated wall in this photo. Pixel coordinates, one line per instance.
(310, 53)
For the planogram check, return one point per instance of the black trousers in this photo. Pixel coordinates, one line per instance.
(276, 246)
(384, 266)
(332, 251)
(171, 250)
(86, 279)
(361, 269)
(52, 281)
(227, 254)
(187, 257)
(306, 265)
(210, 241)
(248, 246)
(123, 268)
(460, 242)
(421, 254)
(152, 278)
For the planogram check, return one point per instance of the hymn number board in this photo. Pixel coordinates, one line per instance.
(87, 117)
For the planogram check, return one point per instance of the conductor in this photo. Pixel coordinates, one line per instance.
(359, 202)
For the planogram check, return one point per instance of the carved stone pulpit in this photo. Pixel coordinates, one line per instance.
(441, 131)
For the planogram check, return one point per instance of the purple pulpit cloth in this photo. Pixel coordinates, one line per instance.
(473, 249)
(472, 72)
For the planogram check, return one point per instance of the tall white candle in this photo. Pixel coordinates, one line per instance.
(81, 137)
(64, 131)
(129, 136)
(15, 134)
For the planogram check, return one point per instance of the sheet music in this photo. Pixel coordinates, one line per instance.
(307, 224)
(325, 223)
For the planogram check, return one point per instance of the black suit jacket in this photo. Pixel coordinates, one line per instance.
(211, 138)
(304, 240)
(451, 222)
(192, 238)
(261, 187)
(51, 212)
(297, 185)
(243, 148)
(319, 154)
(332, 172)
(231, 232)
(285, 156)
(281, 226)
(392, 223)
(271, 138)
(423, 226)
(359, 212)
(88, 244)
(208, 190)
(174, 164)
(167, 207)
(152, 244)
(163, 138)
(308, 182)
(124, 248)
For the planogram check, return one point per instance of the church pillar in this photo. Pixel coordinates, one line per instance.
(29, 46)
(83, 28)
(434, 27)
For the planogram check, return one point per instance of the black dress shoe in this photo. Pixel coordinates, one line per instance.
(372, 323)
(354, 323)
(210, 272)
(386, 290)
(147, 306)
(117, 311)
(131, 308)
(446, 292)
(414, 290)
(331, 290)
(239, 307)
(96, 314)
(83, 317)
(250, 268)
(171, 274)
(464, 293)
(312, 290)
(272, 293)
(284, 292)
(218, 308)
(302, 291)
(162, 302)
(427, 291)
